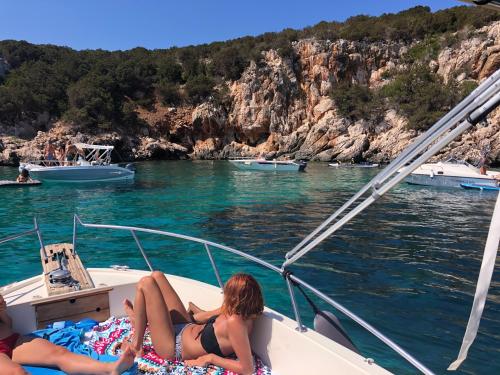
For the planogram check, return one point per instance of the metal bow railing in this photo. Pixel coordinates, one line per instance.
(36, 229)
(289, 278)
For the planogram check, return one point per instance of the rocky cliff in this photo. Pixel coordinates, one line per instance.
(282, 107)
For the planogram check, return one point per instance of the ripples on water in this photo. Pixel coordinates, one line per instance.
(408, 265)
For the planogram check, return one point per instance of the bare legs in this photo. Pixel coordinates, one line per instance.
(40, 352)
(178, 312)
(156, 303)
(10, 368)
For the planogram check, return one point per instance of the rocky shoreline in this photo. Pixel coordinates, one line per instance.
(282, 108)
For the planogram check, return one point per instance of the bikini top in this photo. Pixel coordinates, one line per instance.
(208, 339)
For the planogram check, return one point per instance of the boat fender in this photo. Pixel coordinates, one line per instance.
(326, 323)
(431, 174)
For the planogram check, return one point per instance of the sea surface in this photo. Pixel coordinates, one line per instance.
(407, 265)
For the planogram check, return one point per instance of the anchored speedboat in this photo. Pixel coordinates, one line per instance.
(452, 173)
(353, 165)
(269, 165)
(94, 164)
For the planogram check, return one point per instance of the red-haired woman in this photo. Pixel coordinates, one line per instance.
(199, 337)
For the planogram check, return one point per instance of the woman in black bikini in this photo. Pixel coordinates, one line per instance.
(198, 337)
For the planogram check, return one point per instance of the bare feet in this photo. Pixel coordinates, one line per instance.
(129, 310)
(136, 349)
(125, 362)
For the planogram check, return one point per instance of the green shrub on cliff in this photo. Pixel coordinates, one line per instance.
(228, 63)
(168, 93)
(416, 93)
(199, 88)
(420, 95)
(169, 70)
(91, 102)
(356, 101)
(426, 50)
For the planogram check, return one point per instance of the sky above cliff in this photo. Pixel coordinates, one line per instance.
(125, 24)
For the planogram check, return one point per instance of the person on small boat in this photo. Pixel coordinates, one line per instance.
(50, 152)
(59, 154)
(72, 152)
(198, 337)
(17, 350)
(24, 176)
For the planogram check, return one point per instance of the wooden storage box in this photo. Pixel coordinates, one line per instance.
(91, 303)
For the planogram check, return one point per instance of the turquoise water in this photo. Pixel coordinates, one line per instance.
(408, 265)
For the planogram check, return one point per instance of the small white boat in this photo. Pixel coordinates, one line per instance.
(269, 165)
(451, 173)
(353, 165)
(93, 165)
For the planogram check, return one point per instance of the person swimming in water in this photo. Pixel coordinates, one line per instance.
(24, 176)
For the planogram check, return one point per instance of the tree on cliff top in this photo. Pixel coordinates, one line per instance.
(91, 102)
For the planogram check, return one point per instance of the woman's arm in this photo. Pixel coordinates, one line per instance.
(238, 336)
(4, 317)
(199, 315)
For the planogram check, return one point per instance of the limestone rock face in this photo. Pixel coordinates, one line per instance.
(209, 131)
(478, 57)
(281, 107)
(262, 100)
(150, 148)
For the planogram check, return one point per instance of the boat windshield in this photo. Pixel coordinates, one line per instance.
(84, 155)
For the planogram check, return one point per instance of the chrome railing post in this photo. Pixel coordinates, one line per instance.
(295, 307)
(40, 239)
(214, 266)
(74, 234)
(142, 250)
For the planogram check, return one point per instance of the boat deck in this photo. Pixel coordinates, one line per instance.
(274, 339)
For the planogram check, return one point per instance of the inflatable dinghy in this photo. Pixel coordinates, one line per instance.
(8, 183)
(480, 187)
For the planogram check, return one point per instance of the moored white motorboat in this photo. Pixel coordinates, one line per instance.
(451, 173)
(269, 165)
(94, 165)
(353, 165)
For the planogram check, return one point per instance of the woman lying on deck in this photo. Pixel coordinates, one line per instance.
(202, 337)
(16, 350)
